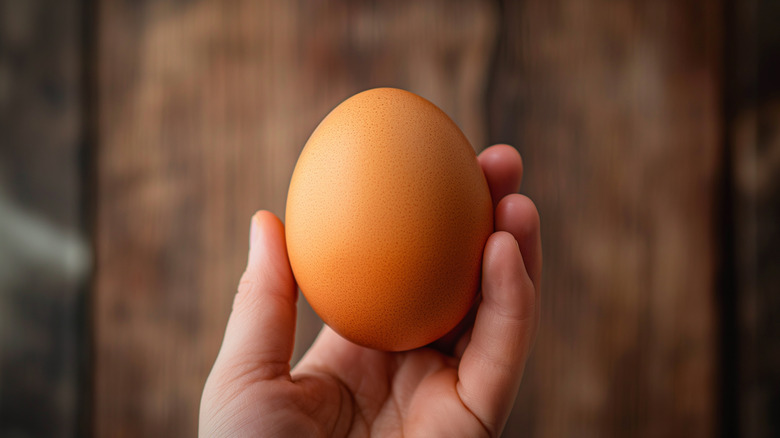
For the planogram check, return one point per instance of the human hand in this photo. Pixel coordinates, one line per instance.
(462, 385)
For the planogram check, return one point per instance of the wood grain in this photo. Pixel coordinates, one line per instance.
(43, 253)
(615, 107)
(203, 109)
(753, 125)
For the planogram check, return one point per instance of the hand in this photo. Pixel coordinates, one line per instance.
(462, 385)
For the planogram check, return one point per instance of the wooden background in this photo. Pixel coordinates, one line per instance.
(138, 137)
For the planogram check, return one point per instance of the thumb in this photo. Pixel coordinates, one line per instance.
(492, 364)
(260, 333)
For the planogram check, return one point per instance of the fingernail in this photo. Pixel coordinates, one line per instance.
(254, 228)
(255, 244)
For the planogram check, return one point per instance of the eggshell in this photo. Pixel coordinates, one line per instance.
(387, 216)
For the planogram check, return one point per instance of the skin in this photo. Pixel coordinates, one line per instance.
(462, 385)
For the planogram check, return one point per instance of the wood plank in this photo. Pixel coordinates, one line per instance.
(204, 107)
(43, 252)
(615, 107)
(753, 118)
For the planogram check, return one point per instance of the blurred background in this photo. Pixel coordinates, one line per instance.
(138, 137)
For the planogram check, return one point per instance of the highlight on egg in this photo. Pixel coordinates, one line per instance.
(387, 216)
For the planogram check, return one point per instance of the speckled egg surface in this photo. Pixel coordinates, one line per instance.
(387, 215)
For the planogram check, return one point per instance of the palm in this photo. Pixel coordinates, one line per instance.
(411, 391)
(342, 389)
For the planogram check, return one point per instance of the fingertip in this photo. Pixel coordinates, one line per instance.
(518, 215)
(503, 169)
(499, 250)
(264, 220)
(504, 163)
(268, 263)
(500, 241)
(504, 272)
(266, 239)
(501, 152)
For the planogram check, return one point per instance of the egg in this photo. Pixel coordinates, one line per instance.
(387, 215)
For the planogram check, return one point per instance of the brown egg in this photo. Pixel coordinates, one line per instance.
(387, 216)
